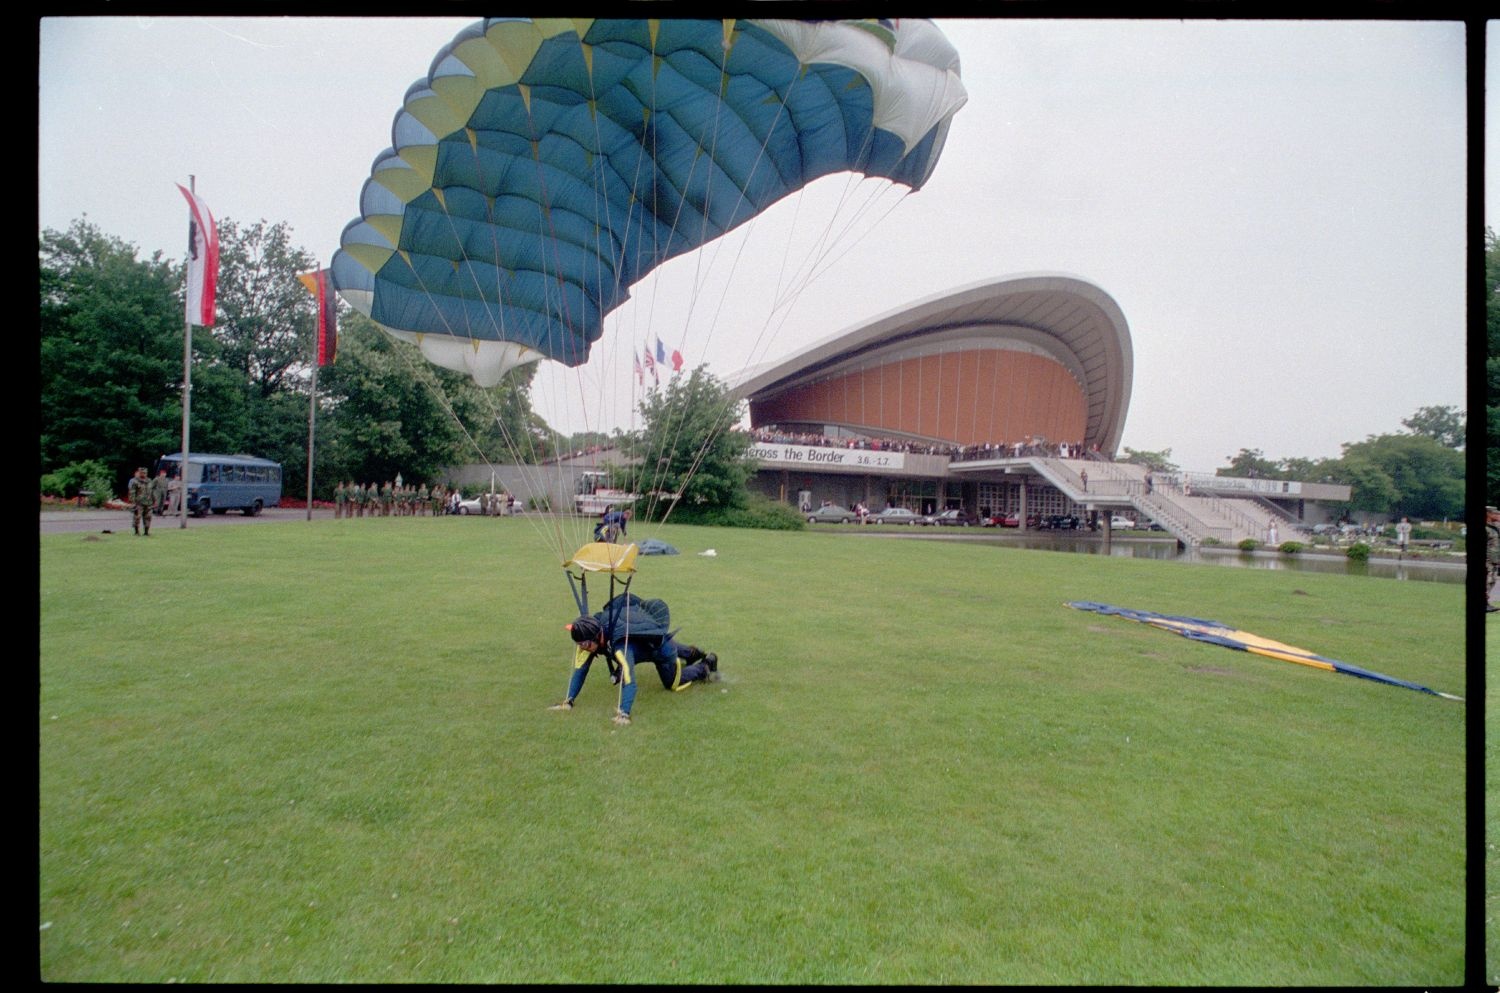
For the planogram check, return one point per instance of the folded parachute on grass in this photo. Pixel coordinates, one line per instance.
(1216, 633)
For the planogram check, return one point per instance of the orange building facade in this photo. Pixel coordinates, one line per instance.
(966, 395)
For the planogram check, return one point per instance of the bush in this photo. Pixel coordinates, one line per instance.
(542, 503)
(1248, 544)
(1210, 542)
(92, 476)
(1290, 547)
(759, 512)
(1359, 551)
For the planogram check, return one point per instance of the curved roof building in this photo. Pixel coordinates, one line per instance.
(1044, 355)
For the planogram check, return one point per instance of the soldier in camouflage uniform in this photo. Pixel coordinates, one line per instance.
(340, 500)
(142, 498)
(159, 491)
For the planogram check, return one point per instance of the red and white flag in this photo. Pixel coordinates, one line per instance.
(202, 260)
(676, 361)
(640, 377)
(651, 364)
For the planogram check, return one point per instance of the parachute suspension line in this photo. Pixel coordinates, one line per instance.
(814, 256)
(497, 323)
(564, 316)
(425, 374)
(436, 387)
(937, 430)
(760, 344)
(677, 418)
(974, 434)
(719, 420)
(848, 244)
(785, 298)
(608, 387)
(783, 302)
(657, 457)
(819, 260)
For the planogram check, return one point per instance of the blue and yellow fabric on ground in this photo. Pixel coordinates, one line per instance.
(1216, 633)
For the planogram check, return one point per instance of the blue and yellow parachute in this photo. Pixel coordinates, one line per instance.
(544, 166)
(1215, 633)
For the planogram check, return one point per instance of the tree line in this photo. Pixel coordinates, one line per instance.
(111, 388)
(1418, 473)
(112, 357)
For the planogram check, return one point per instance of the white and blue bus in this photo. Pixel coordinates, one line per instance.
(221, 483)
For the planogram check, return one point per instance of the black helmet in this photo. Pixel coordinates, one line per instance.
(586, 629)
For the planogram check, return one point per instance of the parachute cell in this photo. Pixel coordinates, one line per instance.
(545, 166)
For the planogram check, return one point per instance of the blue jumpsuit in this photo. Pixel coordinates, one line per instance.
(635, 634)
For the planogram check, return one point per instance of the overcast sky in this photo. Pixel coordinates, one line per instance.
(1277, 207)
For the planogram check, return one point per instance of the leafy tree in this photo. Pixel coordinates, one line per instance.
(1252, 463)
(1408, 475)
(1370, 486)
(1444, 425)
(687, 445)
(92, 476)
(265, 318)
(1310, 470)
(111, 328)
(384, 410)
(111, 363)
(1155, 461)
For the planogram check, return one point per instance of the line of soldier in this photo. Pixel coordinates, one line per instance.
(350, 499)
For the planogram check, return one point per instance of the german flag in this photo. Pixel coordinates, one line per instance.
(328, 311)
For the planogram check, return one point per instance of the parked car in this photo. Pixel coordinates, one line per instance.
(896, 515)
(1059, 522)
(1002, 521)
(469, 506)
(830, 514)
(1117, 521)
(955, 518)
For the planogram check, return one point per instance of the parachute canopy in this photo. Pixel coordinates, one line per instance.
(544, 166)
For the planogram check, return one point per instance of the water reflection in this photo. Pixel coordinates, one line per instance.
(1421, 570)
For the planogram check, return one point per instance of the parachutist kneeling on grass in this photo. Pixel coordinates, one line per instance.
(630, 630)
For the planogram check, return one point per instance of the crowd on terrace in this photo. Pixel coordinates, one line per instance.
(957, 453)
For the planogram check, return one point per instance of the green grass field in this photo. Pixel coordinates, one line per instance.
(320, 752)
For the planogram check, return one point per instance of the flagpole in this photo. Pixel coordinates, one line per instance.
(187, 385)
(312, 423)
(324, 343)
